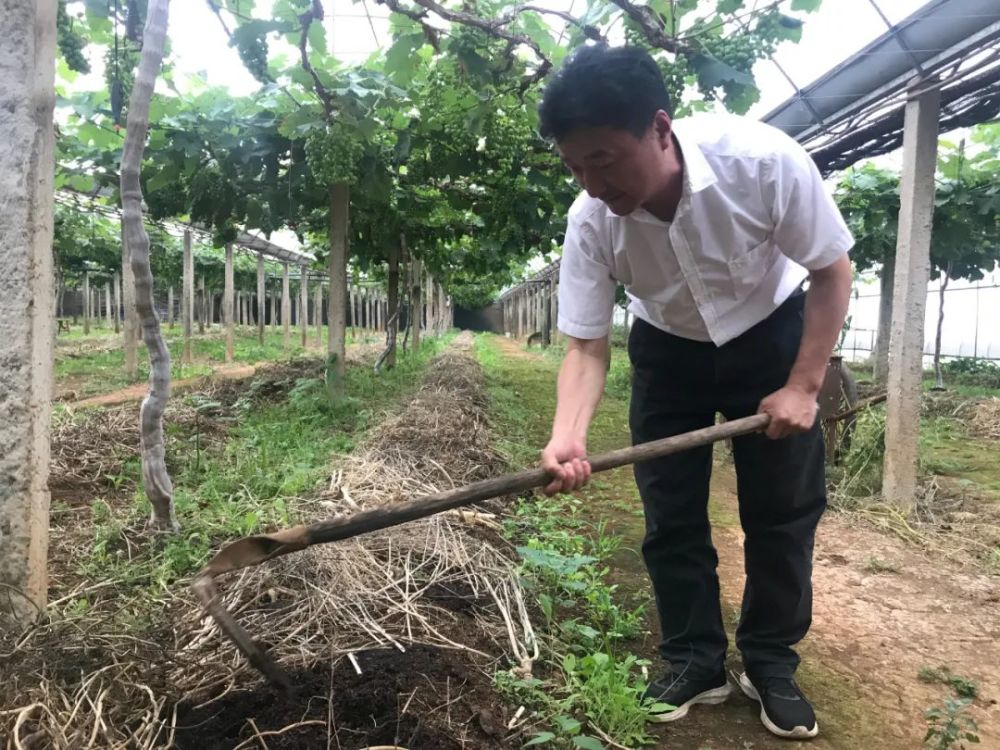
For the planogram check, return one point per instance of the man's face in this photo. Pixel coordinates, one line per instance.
(615, 166)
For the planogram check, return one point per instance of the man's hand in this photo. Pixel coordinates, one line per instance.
(792, 410)
(566, 460)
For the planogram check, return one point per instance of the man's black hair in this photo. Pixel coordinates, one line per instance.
(602, 86)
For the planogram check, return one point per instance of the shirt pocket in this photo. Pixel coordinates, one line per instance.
(747, 270)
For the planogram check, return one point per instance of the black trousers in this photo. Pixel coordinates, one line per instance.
(680, 385)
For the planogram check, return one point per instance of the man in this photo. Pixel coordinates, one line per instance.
(712, 224)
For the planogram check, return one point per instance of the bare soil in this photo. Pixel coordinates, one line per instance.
(425, 698)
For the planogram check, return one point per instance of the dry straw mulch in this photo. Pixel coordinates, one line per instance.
(80, 682)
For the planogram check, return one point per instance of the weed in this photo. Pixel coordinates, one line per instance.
(875, 564)
(963, 687)
(590, 688)
(949, 728)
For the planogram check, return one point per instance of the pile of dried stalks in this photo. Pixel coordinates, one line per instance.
(985, 421)
(77, 682)
(383, 589)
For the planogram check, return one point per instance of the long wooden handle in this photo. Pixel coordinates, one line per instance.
(257, 549)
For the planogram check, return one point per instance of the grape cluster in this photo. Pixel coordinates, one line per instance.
(71, 44)
(168, 201)
(253, 53)
(211, 197)
(333, 155)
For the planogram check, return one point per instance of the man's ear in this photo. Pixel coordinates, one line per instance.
(662, 127)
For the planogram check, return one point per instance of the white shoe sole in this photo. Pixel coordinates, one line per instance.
(798, 733)
(709, 698)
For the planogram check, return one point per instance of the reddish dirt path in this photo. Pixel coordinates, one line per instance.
(874, 631)
(138, 391)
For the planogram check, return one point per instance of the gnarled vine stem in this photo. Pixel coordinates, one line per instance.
(155, 478)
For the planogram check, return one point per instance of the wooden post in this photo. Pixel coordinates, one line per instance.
(286, 308)
(27, 304)
(228, 313)
(906, 341)
(170, 306)
(187, 299)
(304, 306)
(261, 299)
(117, 301)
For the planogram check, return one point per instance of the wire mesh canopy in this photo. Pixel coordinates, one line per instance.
(855, 111)
(246, 240)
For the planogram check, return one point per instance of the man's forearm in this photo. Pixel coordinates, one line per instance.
(826, 308)
(579, 388)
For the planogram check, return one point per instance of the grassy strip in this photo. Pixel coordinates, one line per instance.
(590, 686)
(273, 453)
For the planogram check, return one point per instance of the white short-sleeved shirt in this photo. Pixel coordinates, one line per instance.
(753, 219)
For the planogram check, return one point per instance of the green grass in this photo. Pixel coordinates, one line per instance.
(567, 550)
(96, 372)
(946, 449)
(274, 453)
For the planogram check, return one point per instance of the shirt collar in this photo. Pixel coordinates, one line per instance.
(698, 173)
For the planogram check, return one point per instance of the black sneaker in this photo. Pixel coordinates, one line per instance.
(680, 692)
(784, 710)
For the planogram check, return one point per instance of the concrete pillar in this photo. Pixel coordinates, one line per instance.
(304, 307)
(286, 308)
(416, 304)
(555, 309)
(202, 304)
(906, 341)
(107, 302)
(318, 313)
(117, 301)
(261, 299)
(274, 310)
(227, 303)
(442, 310)
(86, 302)
(27, 304)
(353, 317)
(187, 298)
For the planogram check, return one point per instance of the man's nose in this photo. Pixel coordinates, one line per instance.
(593, 184)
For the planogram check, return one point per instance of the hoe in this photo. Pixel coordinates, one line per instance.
(254, 550)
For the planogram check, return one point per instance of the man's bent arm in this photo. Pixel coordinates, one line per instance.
(793, 408)
(581, 383)
(578, 391)
(827, 300)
